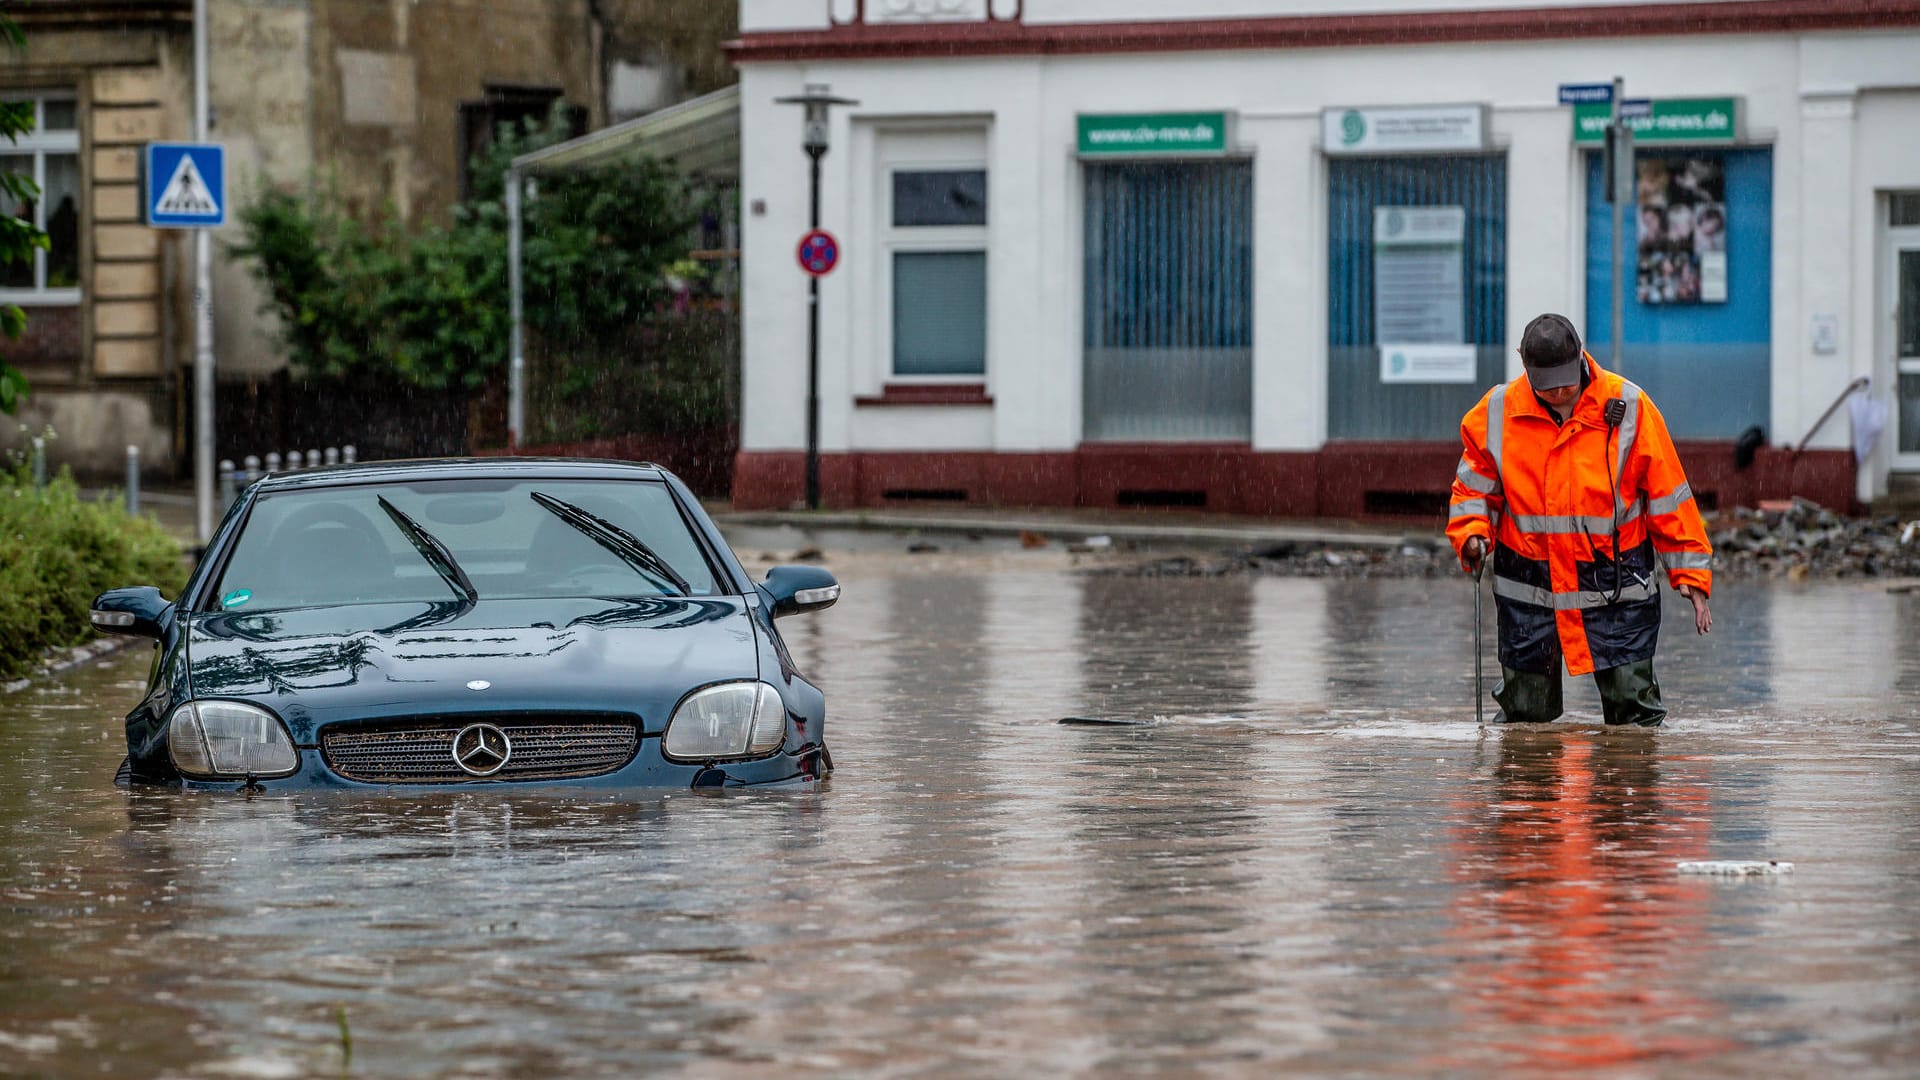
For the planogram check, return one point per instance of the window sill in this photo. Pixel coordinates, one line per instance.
(927, 394)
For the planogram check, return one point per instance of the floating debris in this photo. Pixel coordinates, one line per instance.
(1736, 868)
(1101, 721)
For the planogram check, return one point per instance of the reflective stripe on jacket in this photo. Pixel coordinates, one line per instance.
(1541, 491)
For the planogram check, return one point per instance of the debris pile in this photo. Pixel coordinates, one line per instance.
(1413, 557)
(1799, 539)
(1789, 539)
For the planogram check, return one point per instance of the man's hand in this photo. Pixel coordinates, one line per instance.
(1472, 552)
(1702, 615)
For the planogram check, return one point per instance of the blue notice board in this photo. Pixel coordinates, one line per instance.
(186, 185)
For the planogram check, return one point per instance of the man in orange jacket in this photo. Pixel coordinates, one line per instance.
(1569, 477)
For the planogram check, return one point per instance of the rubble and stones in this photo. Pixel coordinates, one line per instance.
(1803, 539)
(1792, 540)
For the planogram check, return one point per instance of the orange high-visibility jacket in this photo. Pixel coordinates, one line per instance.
(1541, 491)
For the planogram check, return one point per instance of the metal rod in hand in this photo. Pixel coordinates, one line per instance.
(1479, 695)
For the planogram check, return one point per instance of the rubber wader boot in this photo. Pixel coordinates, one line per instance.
(1629, 694)
(1528, 697)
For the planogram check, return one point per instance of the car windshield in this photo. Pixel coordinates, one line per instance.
(456, 541)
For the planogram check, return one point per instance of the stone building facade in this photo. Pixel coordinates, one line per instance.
(383, 100)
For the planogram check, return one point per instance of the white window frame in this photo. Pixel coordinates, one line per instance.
(969, 154)
(39, 142)
(1901, 239)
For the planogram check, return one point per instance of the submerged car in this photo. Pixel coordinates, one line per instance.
(472, 622)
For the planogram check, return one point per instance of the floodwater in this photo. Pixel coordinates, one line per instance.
(1309, 860)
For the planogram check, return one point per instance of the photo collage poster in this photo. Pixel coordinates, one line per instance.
(1682, 251)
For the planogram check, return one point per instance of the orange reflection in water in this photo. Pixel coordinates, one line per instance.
(1579, 940)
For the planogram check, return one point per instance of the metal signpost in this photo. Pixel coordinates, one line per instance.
(187, 189)
(1616, 180)
(813, 139)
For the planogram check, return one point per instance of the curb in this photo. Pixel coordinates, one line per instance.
(1210, 535)
(61, 661)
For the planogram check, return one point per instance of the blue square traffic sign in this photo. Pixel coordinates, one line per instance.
(186, 185)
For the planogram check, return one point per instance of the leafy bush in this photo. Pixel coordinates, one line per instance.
(429, 306)
(57, 552)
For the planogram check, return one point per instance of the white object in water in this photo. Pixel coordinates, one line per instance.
(1735, 868)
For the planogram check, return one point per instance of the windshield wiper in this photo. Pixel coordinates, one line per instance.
(432, 550)
(630, 548)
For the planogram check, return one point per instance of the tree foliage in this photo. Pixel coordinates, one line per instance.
(18, 237)
(428, 306)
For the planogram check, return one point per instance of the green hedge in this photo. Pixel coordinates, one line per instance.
(57, 552)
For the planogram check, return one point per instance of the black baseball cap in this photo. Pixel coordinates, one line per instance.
(1551, 351)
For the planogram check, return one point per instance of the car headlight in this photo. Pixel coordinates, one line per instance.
(208, 739)
(731, 720)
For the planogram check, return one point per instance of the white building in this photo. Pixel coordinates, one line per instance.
(1260, 255)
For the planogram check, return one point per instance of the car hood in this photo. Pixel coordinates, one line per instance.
(315, 666)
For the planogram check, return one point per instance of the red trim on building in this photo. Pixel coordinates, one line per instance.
(928, 394)
(1398, 480)
(1003, 38)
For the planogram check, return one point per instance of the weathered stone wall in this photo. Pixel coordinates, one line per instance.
(388, 80)
(100, 367)
(658, 52)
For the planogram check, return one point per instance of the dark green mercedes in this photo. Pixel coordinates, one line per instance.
(497, 621)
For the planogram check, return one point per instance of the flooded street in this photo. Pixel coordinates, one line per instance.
(1308, 858)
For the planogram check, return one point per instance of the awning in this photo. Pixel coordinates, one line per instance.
(700, 137)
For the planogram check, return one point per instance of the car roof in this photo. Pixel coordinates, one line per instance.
(477, 468)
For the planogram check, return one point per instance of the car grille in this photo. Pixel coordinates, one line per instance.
(420, 751)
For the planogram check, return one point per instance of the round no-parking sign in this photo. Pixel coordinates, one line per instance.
(819, 252)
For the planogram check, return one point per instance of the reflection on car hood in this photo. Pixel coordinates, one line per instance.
(365, 662)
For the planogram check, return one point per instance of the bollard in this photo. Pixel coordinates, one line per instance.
(313, 459)
(133, 480)
(273, 462)
(333, 455)
(251, 463)
(348, 454)
(294, 460)
(226, 484)
(39, 463)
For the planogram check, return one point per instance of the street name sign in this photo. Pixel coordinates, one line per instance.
(1586, 93)
(186, 185)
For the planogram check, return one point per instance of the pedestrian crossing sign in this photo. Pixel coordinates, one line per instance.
(186, 185)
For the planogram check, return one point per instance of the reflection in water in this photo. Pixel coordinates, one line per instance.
(1314, 863)
(1579, 935)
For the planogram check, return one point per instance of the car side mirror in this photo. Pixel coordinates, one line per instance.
(800, 588)
(137, 611)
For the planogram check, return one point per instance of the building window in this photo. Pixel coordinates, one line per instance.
(937, 253)
(1417, 296)
(515, 107)
(49, 155)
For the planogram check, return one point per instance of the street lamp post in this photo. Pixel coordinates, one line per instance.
(813, 139)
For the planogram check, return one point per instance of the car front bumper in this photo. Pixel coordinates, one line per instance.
(648, 770)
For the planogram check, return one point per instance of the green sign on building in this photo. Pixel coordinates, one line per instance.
(1674, 120)
(1138, 134)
